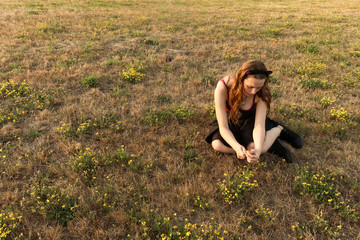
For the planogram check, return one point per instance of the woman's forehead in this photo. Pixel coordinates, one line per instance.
(254, 82)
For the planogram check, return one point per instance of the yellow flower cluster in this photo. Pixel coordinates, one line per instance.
(326, 101)
(20, 99)
(311, 69)
(234, 189)
(340, 114)
(65, 129)
(229, 56)
(9, 117)
(14, 89)
(181, 230)
(83, 127)
(8, 225)
(211, 111)
(265, 214)
(85, 163)
(321, 185)
(69, 130)
(158, 117)
(201, 203)
(132, 75)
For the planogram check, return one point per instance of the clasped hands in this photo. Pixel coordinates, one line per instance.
(251, 156)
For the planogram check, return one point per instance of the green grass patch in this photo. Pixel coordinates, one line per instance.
(90, 81)
(323, 187)
(167, 114)
(315, 83)
(50, 201)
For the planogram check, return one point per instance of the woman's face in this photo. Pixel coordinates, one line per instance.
(252, 85)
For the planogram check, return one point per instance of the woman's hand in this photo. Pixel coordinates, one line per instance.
(253, 155)
(240, 152)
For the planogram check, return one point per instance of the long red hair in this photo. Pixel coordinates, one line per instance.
(237, 89)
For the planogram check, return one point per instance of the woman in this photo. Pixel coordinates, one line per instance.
(241, 104)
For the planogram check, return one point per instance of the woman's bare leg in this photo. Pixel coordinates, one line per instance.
(220, 147)
(270, 138)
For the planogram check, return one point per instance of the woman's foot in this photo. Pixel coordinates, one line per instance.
(279, 149)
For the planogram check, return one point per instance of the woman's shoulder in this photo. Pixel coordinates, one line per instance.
(257, 99)
(227, 80)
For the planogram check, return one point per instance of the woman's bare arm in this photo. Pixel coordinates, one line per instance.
(221, 97)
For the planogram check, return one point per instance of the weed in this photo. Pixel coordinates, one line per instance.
(317, 225)
(234, 188)
(275, 93)
(323, 225)
(297, 112)
(21, 99)
(211, 111)
(230, 56)
(324, 101)
(90, 81)
(66, 130)
(9, 225)
(273, 79)
(314, 83)
(112, 61)
(300, 231)
(265, 215)
(355, 53)
(352, 79)
(87, 127)
(150, 42)
(50, 201)
(85, 163)
(156, 227)
(126, 160)
(322, 186)
(137, 34)
(207, 79)
(274, 32)
(34, 133)
(118, 92)
(159, 117)
(308, 46)
(106, 196)
(200, 202)
(13, 89)
(133, 73)
(190, 155)
(49, 28)
(164, 98)
(340, 114)
(311, 69)
(340, 57)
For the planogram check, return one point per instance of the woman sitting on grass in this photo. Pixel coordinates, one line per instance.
(241, 104)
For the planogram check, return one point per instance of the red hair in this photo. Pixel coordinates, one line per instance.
(237, 89)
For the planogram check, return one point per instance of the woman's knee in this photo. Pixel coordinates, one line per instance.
(217, 145)
(250, 146)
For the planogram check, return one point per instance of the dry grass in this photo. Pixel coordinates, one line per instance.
(105, 107)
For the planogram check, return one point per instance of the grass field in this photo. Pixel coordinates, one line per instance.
(105, 106)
